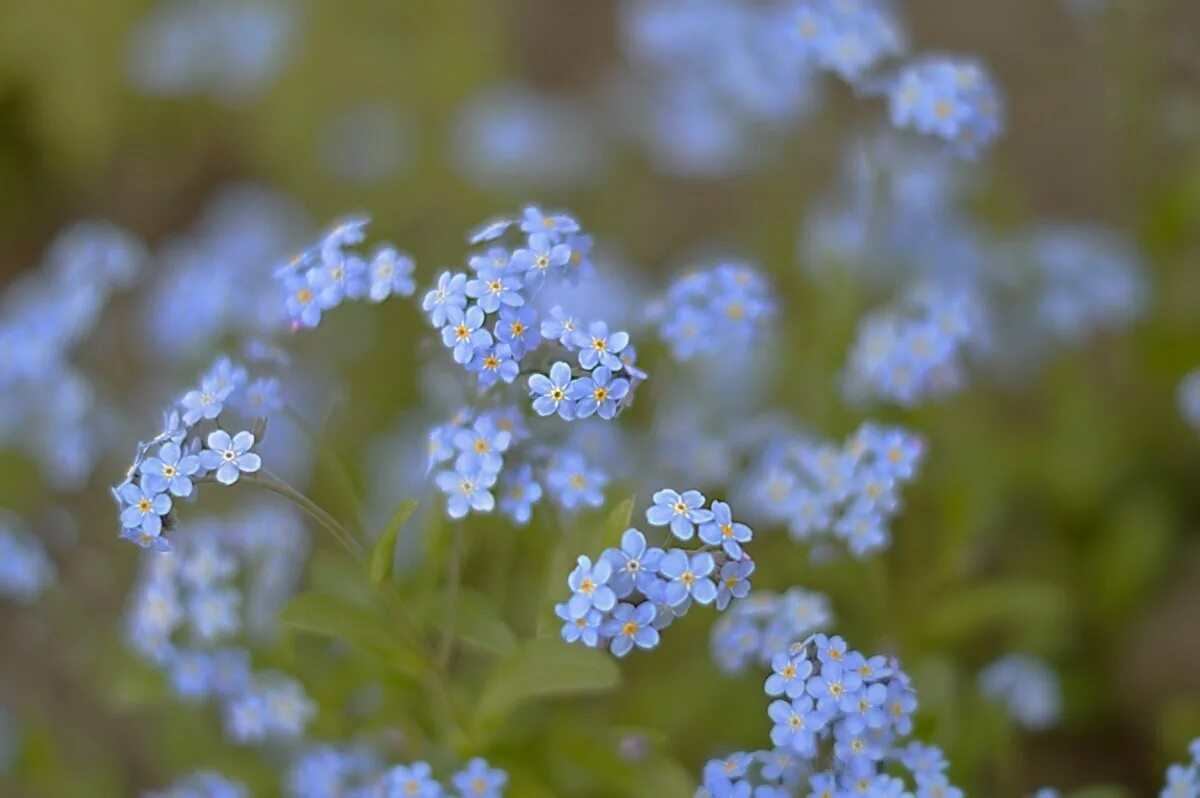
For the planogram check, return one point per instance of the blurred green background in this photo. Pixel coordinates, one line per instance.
(1057, 516)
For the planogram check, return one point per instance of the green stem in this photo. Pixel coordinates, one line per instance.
(273, 484)
(453, 581)
(336, 467)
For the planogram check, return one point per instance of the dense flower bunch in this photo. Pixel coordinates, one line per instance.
(492, 319)
(950, 98)
(847, 38)
(330, 272)
(914, 349)
(223, 583)
(762, 624)
(230, 49)
(711, 312)
(633, 592)
(478, 446)
(849, 491)
(206, 437)
(355, 773)
(839, 719)
(1027, 687)
(25, 568)
(203, 784)
(48, 406)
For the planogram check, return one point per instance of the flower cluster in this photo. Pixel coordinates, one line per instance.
(492, 319)
(330, 272)
(203, 784)
(193, 447)
(758, 626)
(847, 38)
(839, 719)
(715, 311)
(48, 406)
(25, 568)
(914, 349)
(951, 98)
(1027, 687)
(478, 447)
(352, 772)
(219, 584)
(1183, 780)
(851, 491)
(230, 49)
(633, 592)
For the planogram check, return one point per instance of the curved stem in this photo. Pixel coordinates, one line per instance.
(337, 468)
(269, 482)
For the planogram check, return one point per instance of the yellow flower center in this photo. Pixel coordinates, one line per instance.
(541, 262)
(727, 530)
(587, 586)
(600, 394)
(481, 446)
(557, 394)
(169, 471)
(461, 332)
(629, 629)
(517, 328)
(304, 295)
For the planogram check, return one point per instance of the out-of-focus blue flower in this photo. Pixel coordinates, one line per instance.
(520, 492)
(480, 780)
(951, 98)
(326, 771)
(203, 784)
(229, 456)
(206, 402)
(390, 273)
(714, 312)
(846, 37)
(572, 482)
(411, 781)
(1027, 687)
(555, 225)
(733, 581)
(25, 568)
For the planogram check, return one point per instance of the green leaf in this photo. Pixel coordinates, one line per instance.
(476, 623)
(329, 616)
(383, 557)
(609, 534)
(543, 668)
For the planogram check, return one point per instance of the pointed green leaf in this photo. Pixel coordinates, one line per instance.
(616, 524)
(383, 557)
(477, 623)
(329, 616)
(543, 668)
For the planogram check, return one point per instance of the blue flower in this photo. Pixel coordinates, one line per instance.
(793, 725)
(230, 457)
(953, 99)
(790, 675)
(481, 446)
(170, 470)
(495, 259)
(689, 577)
(555, 226)
(598, 348)
(831, 685)
(598, 394)
(214, 613)
(462, 332)
(561, 326)
(518, 327)
(144, 509)
(901, 702)
(494, 363)
(302, 303)
(467, 492)
(411, 781)
(479, 780)
(450, 292)
(205, 403)
(342, 278)
(634, 564)
(679, 511)
(573, 482)
(262, 397)
(936, 787)
(733, 581)
(724, 532)
(864, 709)
(521, 492)
(390, 273)
(630, 626)
(539, 259)
(923, 760)
(553, 393)
(493, 288)
(585, 628)
(589, 586)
